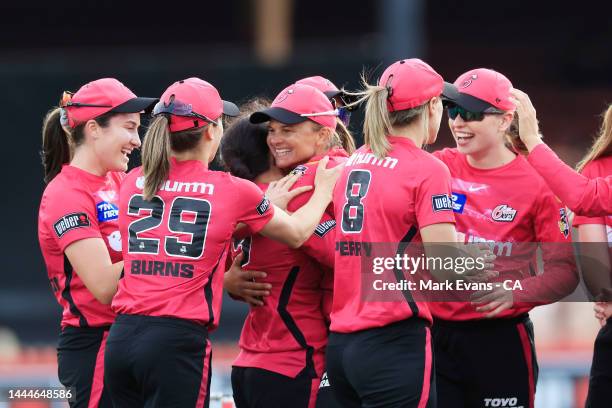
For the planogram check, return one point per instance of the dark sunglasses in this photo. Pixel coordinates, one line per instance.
(468, 116)
(67, 101)
(178, 108)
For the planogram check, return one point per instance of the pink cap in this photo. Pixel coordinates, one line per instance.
(411, 83)
(193, 103)
(481, 90)
(99, 97)
(298, 103)
(322, 84)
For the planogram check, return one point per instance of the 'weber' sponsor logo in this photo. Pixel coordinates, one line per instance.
(69, 222)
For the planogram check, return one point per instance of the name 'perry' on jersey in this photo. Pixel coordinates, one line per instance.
(386, 201)
(175, 244)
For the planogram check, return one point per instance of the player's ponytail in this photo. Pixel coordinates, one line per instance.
(379, 122)
(602, 146)
(157, 147)
(156, 155)
(345, 139)
(376, 124)
(56, 149)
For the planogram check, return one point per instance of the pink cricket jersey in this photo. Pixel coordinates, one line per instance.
(383, 200)
(175, 245)
(77, 205)
(507, 206)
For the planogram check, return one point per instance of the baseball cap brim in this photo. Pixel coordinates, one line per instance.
(135, 105)
(331, 94)
(230, 109)
(282, 115)
(451, 93)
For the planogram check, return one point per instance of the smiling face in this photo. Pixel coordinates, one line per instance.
(291, 145)
(114, 143)
(480, 137)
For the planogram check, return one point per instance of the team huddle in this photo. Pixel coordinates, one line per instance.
(139, 261)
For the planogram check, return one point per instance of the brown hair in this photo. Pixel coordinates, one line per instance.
(602, 145)
(59, 142)
(156, 149)
(512, 138)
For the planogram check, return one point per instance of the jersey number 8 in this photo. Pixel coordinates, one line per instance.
(357, 186)
(201, 210)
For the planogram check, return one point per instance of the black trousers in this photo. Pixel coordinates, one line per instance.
(485, 363)
(80, 361)
(389, 367)
(325, 395)
(157, 362)
(600, 382)
(259, 388)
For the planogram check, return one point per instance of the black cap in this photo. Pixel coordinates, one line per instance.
(230, 109)
(280, 114)
(135, 105)
(450, 93)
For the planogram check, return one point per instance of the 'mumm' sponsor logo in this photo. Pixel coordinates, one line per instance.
(499, 248)
(181, 187)
(369, 158)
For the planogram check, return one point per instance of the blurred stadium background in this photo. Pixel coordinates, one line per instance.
(560, 55)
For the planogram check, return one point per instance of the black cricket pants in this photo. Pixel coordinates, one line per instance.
(258, 388)
(485, 363)
(158, 362)
(325, 395)
(600, 381)
(388, 366)
(80, 364)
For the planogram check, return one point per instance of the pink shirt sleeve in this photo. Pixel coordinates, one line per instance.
(433, 204)
(583, 196)
(590, 172)
(255, 208)
(72, 218)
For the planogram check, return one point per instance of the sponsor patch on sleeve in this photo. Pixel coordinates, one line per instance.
(263, 206)
(301, 170)
(324, 227)
(459, 201)
(107, 211)
(69, 222)
(563, 222)
(441, 202)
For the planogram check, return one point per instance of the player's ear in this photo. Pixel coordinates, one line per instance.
(208, 132)
(506, 121)
(432, 105)
(91, 127)
(324, 136)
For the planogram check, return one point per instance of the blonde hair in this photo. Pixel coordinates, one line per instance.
(157, 147)
(379, 122)
(602, 146)
(341, 137)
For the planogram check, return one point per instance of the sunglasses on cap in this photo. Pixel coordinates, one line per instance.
(468, 116)
(335, 112)
(178, 108)
(67, 101)
(344, 113)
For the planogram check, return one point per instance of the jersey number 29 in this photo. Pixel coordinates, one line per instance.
(193, 248)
